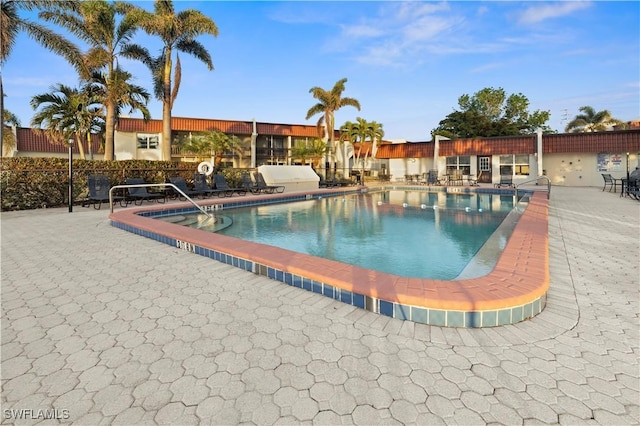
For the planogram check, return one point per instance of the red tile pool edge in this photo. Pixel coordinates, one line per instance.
(520, 277)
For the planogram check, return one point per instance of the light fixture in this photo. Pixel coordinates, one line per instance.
(70, 175)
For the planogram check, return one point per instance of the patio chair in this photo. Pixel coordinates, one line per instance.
(432, 178)
(262, 184)
(473, 181)
(632, 188)
(505, 180)
(200, 185)
(249, 185)
(99, 186)
(610, 181)
(324, 183)
(455, 178)
(221, 184)
(140, 194)
(181, 184)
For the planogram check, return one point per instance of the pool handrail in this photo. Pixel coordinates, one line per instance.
(148, 185)
(534, 180)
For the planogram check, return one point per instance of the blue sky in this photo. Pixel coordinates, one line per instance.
(406, 62)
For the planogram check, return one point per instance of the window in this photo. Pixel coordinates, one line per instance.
(147, 141)
(461, 163)
(485, 164)
(295, 142)
(517, 164)
(271, 146)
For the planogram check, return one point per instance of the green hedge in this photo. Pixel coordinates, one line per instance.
(32, 183)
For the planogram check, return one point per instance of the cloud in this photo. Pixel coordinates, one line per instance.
(539, 13)
(31, 81)
(362, 31)
(486, 67)
(482, 10)
(399, 34)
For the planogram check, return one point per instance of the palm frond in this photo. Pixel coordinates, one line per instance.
(195, 49)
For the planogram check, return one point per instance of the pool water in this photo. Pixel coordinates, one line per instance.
(408, 233)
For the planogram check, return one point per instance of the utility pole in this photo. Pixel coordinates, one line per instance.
(565, 117)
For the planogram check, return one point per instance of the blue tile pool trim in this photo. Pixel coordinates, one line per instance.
(436, 317)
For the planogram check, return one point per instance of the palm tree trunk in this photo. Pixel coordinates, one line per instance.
(1, 113)
(80, 144)
(166, 108)
(166, 132)
(110, 123)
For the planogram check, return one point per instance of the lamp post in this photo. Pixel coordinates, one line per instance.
(70, 175)
(627, 167)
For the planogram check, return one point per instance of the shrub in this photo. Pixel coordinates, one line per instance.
(31, 183)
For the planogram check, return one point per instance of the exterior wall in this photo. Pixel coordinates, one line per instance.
(125, 146)
(567, 169)
(581, 169)
(399, 167)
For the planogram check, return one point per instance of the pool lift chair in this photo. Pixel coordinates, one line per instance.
(140, 194)
(99, 186)
(262, 184)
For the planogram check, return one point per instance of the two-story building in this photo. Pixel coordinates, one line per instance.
(571, 159)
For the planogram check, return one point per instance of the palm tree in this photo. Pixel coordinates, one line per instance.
(121, 92)
(95, 22)
(362, 129)
(349, 133)
(213, 144)
(8, 138)
(592, 121)
(67, 112)
(178, 31)
(375, 133)
(11, 24)
(313, 151)
(328, 103)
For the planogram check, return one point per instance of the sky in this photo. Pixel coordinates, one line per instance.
(407, 63)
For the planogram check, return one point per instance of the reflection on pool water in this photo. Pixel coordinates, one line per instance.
(407, 233)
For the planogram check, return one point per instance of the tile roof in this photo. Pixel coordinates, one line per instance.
(613, 141)
(616, 141)
(30, 140)
(225, 126)
(300, 130)
(472, 146)
(620, 141)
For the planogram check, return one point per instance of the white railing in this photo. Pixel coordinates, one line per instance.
(153, 185)
(535, 180)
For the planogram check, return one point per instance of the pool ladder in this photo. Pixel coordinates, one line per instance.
(163, 185)
(536, 180)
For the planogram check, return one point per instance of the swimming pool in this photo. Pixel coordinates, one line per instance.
(514, 290)
(414, 234)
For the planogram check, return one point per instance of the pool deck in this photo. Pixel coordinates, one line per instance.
(107, 327)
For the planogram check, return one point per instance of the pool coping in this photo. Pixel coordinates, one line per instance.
(513, 291)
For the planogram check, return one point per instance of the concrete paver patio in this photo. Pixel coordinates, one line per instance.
(100, 326)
